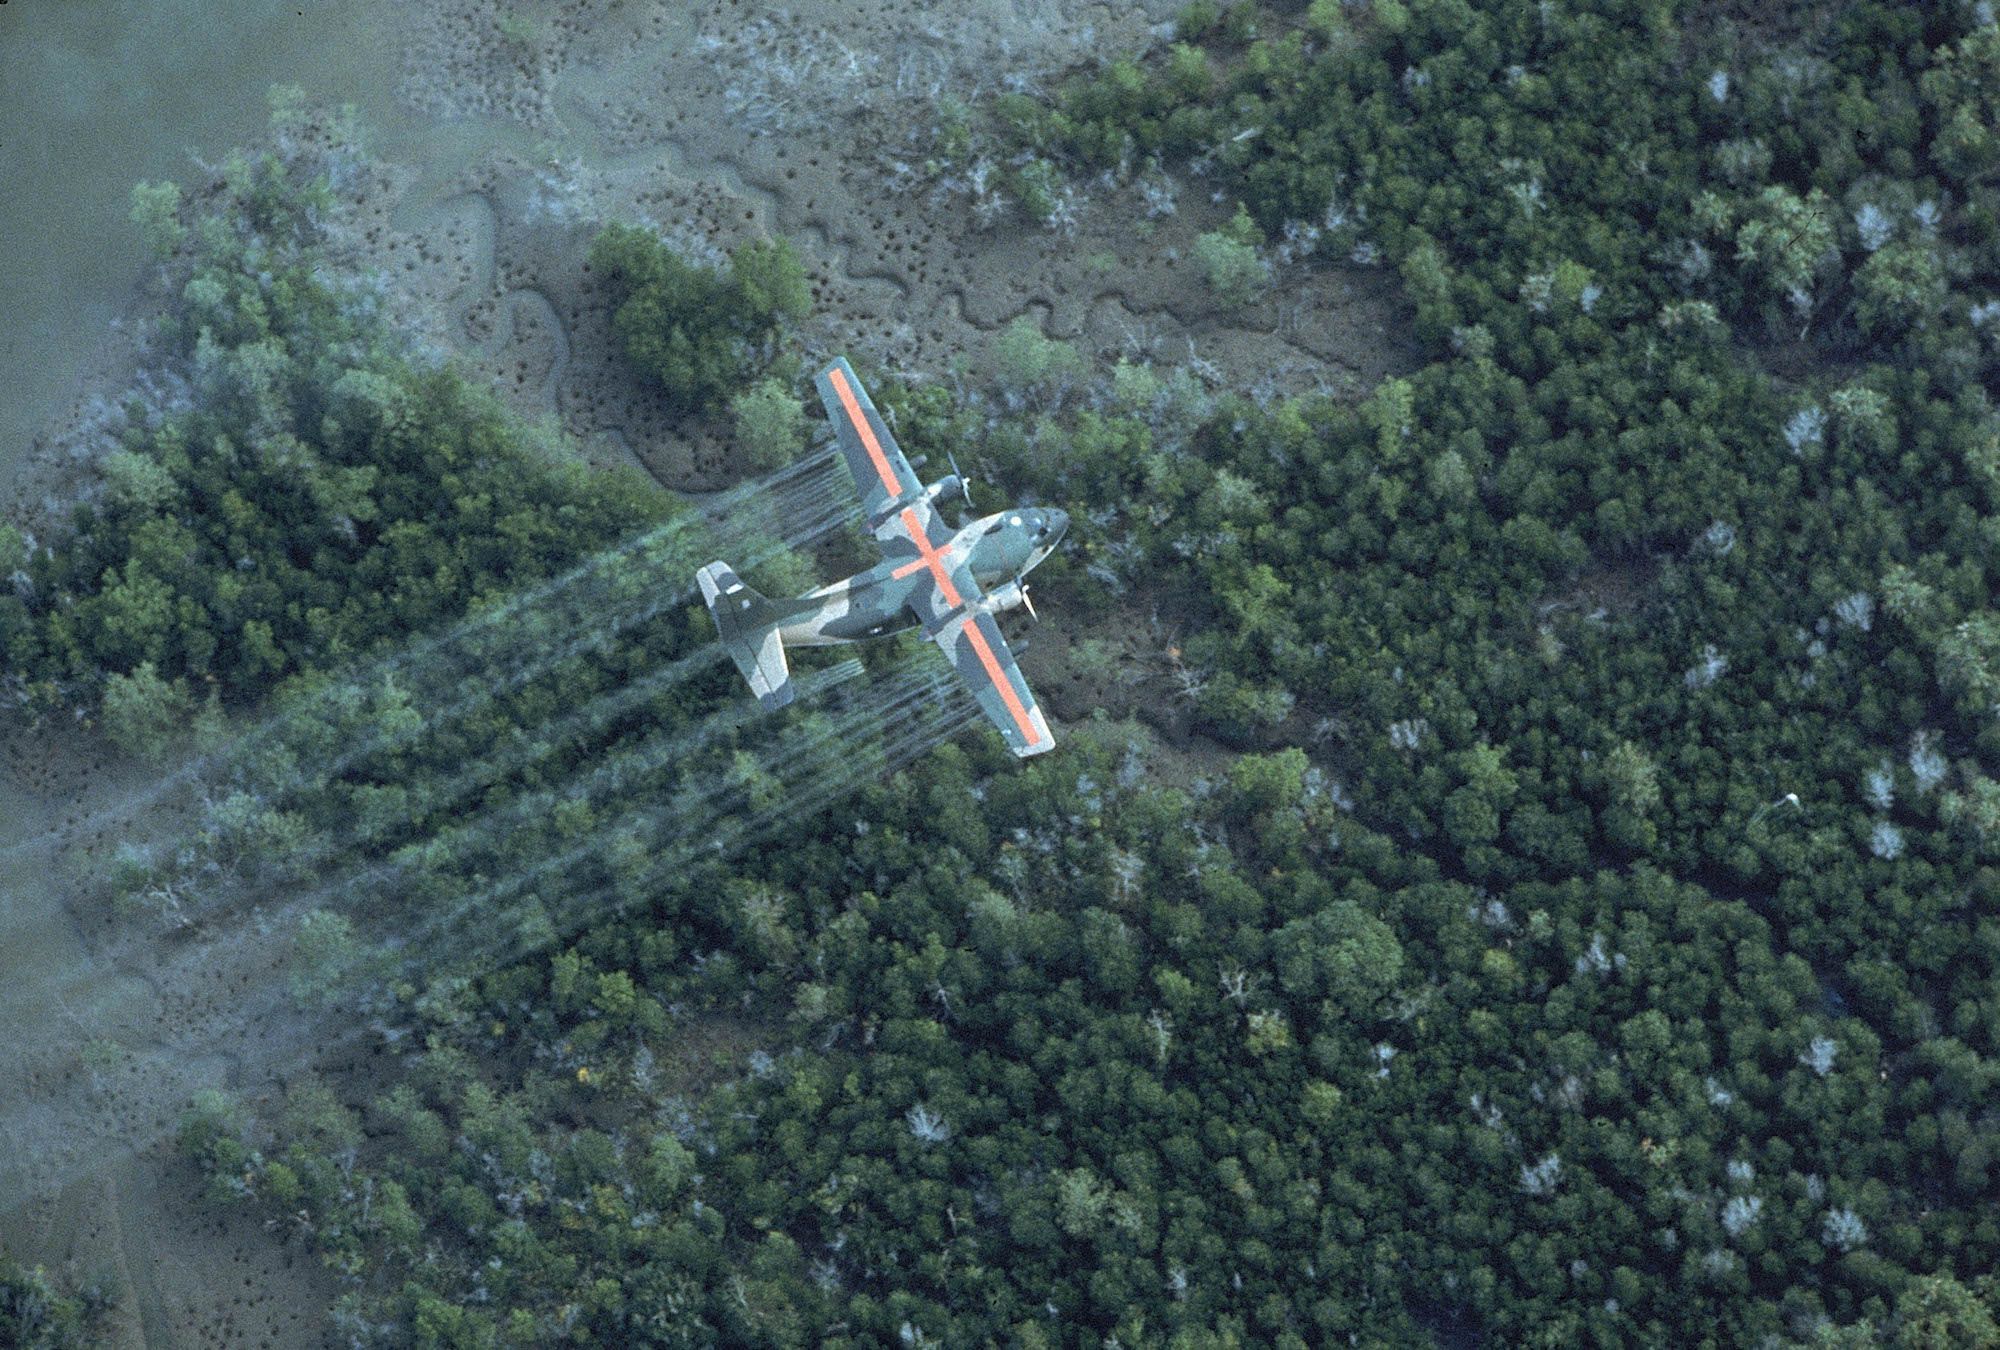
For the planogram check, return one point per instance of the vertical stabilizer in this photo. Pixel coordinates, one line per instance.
(747, 625)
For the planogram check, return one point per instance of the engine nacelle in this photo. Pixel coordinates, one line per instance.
(1003, 598)
(951, 482)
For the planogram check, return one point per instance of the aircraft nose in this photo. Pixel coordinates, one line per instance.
(1058, 524)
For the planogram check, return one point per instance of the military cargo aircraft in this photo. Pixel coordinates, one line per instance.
(953, 581)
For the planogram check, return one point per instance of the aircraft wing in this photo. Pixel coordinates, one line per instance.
(971, 638)
(948, 604)
(879, 467)
(905, 524)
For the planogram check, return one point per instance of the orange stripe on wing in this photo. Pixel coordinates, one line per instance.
(1001, 682)
(929, 555)
(841, 390)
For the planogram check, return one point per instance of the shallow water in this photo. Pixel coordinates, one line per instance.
(100, 96)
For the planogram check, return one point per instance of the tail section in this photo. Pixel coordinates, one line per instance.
(748, 626)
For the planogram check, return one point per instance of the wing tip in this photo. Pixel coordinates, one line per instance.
(838, 366)
(1044, 741)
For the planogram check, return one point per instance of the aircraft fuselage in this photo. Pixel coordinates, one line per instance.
(998, 549)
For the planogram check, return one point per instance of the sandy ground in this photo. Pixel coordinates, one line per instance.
(717, 122)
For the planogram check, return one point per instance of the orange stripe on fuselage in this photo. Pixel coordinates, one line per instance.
(866, 432)
(928, 556)
(1001, 682)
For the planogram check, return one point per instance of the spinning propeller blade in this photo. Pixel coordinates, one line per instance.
(964, 484)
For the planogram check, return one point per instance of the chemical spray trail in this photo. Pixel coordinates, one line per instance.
(273, 905)
(155, 1029)
(378, 706)
(808, 788)
(239, 1015)
(298, 756)
(625, 771)
(891, 720)
(586, 613)
(342, 860)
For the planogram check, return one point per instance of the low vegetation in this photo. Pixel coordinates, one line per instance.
(36, 1315)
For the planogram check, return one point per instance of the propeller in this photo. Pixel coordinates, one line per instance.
(1027, 603)
(964, 485)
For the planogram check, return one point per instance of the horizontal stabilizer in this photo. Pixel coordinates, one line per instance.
(747, 623)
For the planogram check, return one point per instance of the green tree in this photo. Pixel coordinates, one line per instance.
(1327, 19)
(145, 715)
(1631, 782)
(1901, 286)
(770, 424)
(701, 332)
(1472, 810)
(1032, 365)
(1230, 262)
(1968, 659)
(35, 1314)
(1341, 954)
(1936, 1312)
(1963, 89)
(138, 483)
(156, 211)
(769, 282)
(1784, 238)
(325, 950)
